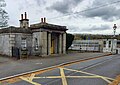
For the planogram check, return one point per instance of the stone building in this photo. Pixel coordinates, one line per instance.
(35, 39)
(87, 45)
(112, 46)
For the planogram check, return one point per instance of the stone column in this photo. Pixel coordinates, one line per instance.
(114, 43)
(56, 45)
(64, 43)
(49, 43)
(60, 43)
(107, 44)
(44, 43)
(40, 42)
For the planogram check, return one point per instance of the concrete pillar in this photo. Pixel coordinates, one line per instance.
(56, 45)
(60, 43)
(107, 44)
(114, 45)
(44, 43)
(49, 43)
(64, 43)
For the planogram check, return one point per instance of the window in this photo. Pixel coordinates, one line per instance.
(104, 43)
(109, 43)
(36, 44)
(23, 44)
(118, 44)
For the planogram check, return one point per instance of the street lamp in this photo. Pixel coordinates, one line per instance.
(113, 41)
(114, 28)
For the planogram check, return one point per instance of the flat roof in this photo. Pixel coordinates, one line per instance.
(13, 29)
(48, 26)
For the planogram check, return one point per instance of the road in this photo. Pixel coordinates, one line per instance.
(15, 67)
(101, 71)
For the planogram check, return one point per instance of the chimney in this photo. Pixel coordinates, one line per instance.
(25, 15)
(24, 22)
(41, 20)
(21, 16)
(44, 20)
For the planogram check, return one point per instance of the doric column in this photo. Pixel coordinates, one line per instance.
(107, 44)
(44, 43)
(64, 43)
(49, 43)
(114, 43)
(60, 43)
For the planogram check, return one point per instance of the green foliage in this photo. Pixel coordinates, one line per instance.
(69, 40)
(3, 15)
(94, 36)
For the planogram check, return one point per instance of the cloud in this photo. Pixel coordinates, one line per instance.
(107, 13)
(25, 4)
(89, 29)
(97, 28)
(64, 6)
(73, 29)
(39, 2)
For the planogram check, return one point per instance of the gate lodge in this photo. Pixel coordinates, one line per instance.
(37, 39)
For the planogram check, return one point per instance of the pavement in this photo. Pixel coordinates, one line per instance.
(10, 67)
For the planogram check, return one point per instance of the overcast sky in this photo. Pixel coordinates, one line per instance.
(97, 21)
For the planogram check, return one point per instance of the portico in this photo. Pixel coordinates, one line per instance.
(52, 37)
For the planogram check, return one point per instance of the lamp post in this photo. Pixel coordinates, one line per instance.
(113, 42)
(114, 29)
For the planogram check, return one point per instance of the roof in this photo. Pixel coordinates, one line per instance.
(48, 26)
(13, 29)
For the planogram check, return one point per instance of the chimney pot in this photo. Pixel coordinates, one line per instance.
(25, 15)
(21, 16)
(44, 20)
(41, 20)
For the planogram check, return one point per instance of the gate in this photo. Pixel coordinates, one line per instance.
(16, 52)
(117, 51)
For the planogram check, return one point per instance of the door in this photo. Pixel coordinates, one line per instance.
(52, 46)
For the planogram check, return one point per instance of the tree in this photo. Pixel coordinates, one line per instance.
(3, 15)
(69, 39)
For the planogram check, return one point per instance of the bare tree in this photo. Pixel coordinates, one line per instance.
(3, 15)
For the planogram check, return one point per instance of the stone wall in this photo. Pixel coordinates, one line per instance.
(4, 44)
(36, 35)
(18, 41)
(9, 40)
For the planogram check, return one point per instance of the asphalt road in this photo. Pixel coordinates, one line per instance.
(10, 67)
(95, 72)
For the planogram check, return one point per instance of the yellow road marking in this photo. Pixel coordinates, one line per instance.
(64, 81)
(83, 77)
(63, 77)
(31, 77)
(89, 74)
(106, 80)
(29, 80)
(54, 77)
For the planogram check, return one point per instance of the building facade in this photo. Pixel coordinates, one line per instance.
(35, 39)
(112, 46)
(87, 45)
